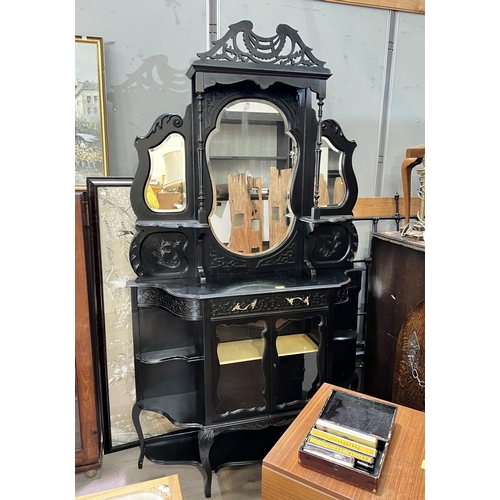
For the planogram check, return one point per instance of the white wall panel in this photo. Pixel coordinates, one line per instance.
(352, 41)
(148, 48)
(406, 124)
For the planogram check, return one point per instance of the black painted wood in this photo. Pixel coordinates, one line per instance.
(193, 296)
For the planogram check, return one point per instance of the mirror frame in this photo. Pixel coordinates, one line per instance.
(293, 167)
(163, 127)
(332, 131)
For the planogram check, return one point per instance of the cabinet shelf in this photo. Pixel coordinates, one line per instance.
(240, 351)
(241, 447)
(183, 410)
(299, 343)
(174, 448)
(188, 354)
(246, 158)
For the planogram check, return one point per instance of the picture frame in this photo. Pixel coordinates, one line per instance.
(413, 6)
(91, 144)
(109, 233)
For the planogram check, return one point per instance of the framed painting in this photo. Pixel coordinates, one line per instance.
(414, 6)
(91, 153)
(110, 230)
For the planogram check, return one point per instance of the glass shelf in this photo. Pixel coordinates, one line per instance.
(240, 351)
(299, 343)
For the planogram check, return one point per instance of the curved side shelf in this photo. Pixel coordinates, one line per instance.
(187, 354)
(182, 410)
(239, 447)
(177, 448)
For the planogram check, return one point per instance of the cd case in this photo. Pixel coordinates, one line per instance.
(349, 439)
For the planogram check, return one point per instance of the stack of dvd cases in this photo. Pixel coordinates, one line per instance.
(349, 440)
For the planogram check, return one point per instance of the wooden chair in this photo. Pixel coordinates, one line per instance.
(414, 157)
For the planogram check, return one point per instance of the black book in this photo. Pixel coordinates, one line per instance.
(363, 415)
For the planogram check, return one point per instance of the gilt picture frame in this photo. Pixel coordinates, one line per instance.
(91, 144)
(413, 6)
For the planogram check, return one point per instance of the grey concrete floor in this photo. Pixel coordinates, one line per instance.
(120, 469)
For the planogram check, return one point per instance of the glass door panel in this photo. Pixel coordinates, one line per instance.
(296, 376)
(240, 354)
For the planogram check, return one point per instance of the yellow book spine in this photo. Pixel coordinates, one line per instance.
(341, 449)
(343, 432)
(372, 452)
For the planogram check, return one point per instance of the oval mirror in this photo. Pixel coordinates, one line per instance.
(165, 188)
(332, 189)
(251, 157)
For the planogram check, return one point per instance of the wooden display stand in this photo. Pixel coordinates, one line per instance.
(283, 478)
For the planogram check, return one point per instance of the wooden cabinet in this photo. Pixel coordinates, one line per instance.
(233, 356)
(396, 285)
(246, 293)
(87, 430)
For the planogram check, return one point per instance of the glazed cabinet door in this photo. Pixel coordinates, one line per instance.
(298, 360)
(266, 365)
(239, 352)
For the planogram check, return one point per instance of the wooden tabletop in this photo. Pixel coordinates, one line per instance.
(402, 474)
(167, 488)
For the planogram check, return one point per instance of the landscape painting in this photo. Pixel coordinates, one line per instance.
(90, 111)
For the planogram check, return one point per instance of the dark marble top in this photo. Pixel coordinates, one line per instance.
(255, 284)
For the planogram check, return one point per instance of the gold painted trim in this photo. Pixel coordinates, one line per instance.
(291, 300)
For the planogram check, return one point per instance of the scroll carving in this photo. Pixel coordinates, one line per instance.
(167, 254)
(163, 121)
(189, 309)
(218, 259)
(287, 256)
(331, 242)
(341, 296)
(241, 44)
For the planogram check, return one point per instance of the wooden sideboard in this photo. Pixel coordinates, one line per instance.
(402, 478)
(396, 284)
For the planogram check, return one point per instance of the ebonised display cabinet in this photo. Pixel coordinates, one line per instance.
(246, 292)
